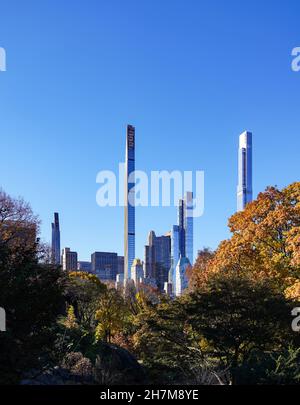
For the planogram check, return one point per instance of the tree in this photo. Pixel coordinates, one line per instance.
(30, 292)
(83, 292)
(168, 347)
(197, 273)
(111, 315)
(236, 316)
(265, 241)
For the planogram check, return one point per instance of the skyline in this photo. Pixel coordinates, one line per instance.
(190, 87)
(181, 234)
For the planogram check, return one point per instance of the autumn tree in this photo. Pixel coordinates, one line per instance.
(30, 291)
(112, 315)
(83, 292)
(265, 241)
(197, 273)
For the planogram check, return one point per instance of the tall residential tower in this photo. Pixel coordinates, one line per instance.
(55, 240)
(189, 227)
(244, 190)
(129, 231)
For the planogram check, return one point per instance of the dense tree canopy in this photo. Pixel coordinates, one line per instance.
(265, 242)
(30, 292)
(233, 324)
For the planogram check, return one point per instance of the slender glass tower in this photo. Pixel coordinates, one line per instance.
(175, 252)
(244, 190)
(188, 226)
(55, 240)
(129, 234)
(181, 223)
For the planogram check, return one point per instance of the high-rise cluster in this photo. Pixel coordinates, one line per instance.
(167, 257)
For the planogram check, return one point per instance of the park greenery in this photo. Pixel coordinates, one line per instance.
(232, 325)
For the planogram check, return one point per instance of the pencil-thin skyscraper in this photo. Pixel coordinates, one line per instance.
(244, 190)
(129, 237)
(55, 240)
(188, 226)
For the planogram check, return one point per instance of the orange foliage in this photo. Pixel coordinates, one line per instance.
(265, 240)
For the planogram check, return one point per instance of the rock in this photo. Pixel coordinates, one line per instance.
(115, 365)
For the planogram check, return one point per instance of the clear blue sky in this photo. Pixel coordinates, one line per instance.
(190, 75)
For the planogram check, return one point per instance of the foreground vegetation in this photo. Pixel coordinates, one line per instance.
(233, 325)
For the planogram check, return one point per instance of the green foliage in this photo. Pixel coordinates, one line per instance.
(231, 327)
(112, 315)
(236, 316)
(30, 292)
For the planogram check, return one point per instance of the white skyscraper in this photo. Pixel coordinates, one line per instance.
(137, 272)
(181, 281)
(244, 190)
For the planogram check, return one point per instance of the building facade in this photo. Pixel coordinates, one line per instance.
(121, 265)
(181, 281)
(55, 246)
(182, 237)
(105, 265)
(189, 227)
(129, 214)
(158, 258)
(244, 189)
(84, 266)
(175, 252)
(69, 260)
(137, 272)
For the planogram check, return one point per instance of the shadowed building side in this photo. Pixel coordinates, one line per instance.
(56, 258)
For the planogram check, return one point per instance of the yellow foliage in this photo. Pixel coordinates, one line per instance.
(265, 242)
(71, 321)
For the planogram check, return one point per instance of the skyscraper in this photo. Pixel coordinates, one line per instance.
(175, 252)
(181, 221)
(182, 236)
(105, 265)
(158, 258)
(244, 190)
(69, 260)
(181, 282)
(55, 240)
(185, 226)
(129, 231)
(189, 227)
(137, 272)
